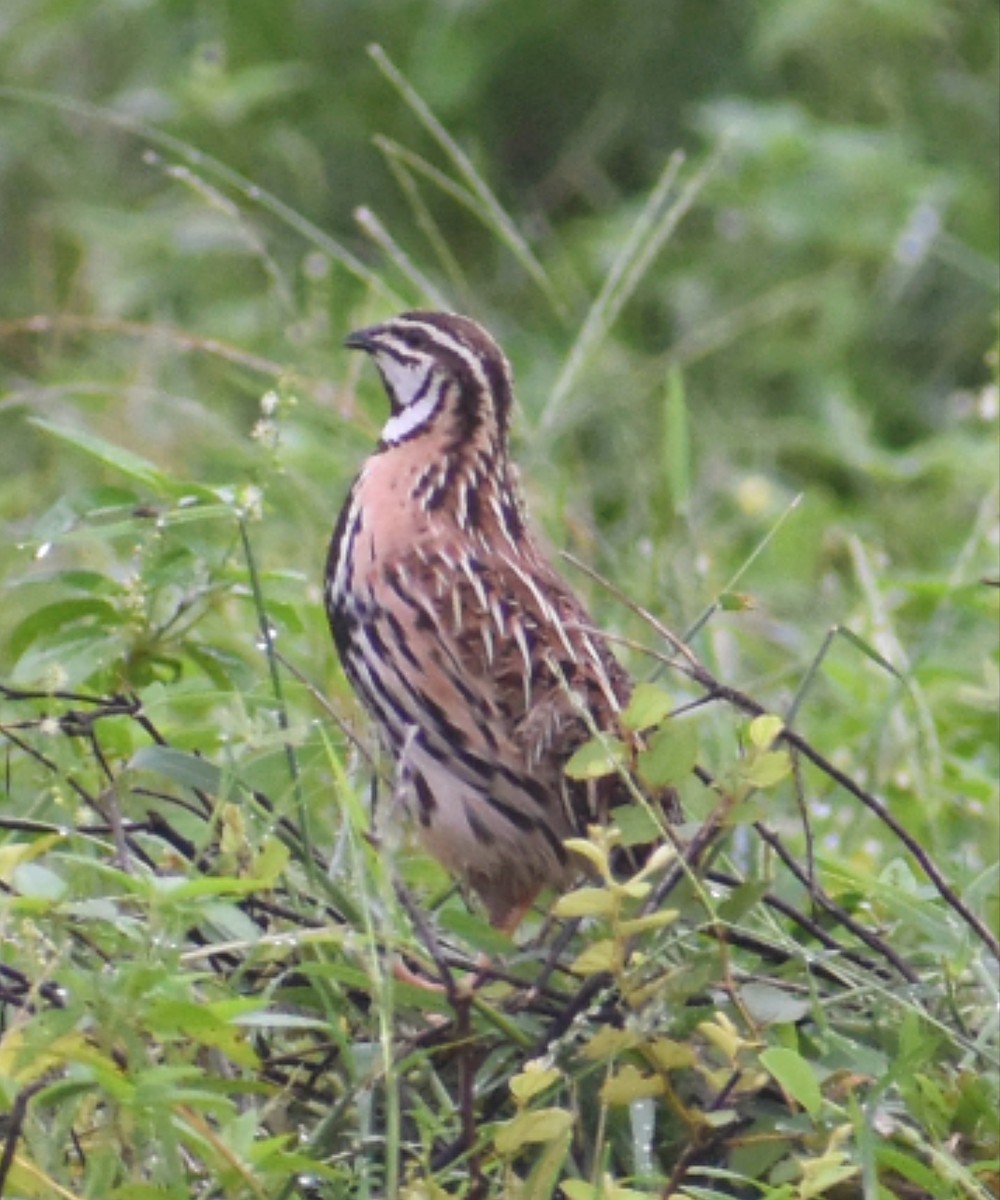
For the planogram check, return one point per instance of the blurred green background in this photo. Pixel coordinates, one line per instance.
(757, 393)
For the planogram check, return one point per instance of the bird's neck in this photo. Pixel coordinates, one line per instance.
(468, 483)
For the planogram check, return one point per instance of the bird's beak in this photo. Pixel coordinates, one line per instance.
(363, 339)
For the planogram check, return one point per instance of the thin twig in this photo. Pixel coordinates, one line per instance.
(819, 896)
(15, 1123)
(744, 703)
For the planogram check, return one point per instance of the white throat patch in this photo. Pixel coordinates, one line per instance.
(404, 380)
(402, 424)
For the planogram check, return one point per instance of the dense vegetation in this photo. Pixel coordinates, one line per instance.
(744, 261)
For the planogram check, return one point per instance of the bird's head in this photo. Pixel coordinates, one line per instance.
(440, 372)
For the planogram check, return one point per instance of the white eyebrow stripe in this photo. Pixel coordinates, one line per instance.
(470, 357)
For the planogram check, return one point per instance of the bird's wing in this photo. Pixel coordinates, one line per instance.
(501, 659)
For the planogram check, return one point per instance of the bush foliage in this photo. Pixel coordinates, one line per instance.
(757, 404)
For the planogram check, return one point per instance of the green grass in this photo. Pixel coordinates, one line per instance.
(757, 403)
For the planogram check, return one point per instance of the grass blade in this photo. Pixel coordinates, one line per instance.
(200, 161)
(488, 208)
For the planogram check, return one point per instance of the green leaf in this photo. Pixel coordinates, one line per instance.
(767, 769)
(205, 1024)
(795, 1075)
(869, 651)
(648, 706)
(597, 758)
(148, 1191)
(764, 729)
(541, 1183)
(636, 823)
(37, 882)
(69, 659)
(54, 618)
(132, 465)
(894, 1159)
(670, 755)
(186, 769)
(742, 899)
(175, 889)
(772, 1006)
(539, 1125)
(747, 811)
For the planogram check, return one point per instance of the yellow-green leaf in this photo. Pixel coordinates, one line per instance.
(607, 1189)
(653, 920)
(661, 857)
(821, 1175)
(748, 811)
(648, 706)
(719, 1118)
(630, 1084)
(15, 853)
(539, 1125)
(670, 1055)
(763, 730)
(635, 889)
(270, 863)
(608, 1042)
(593, 854)
(598, 956)
(232, 829)
(425, 1189)
(597, 758)
(723, 1034)
(585, 902)
(22, 1062)
(767, 769)
(580, 1189)
(533, 1079)
(180, 1017)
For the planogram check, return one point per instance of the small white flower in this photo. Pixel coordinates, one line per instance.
(250, 500)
